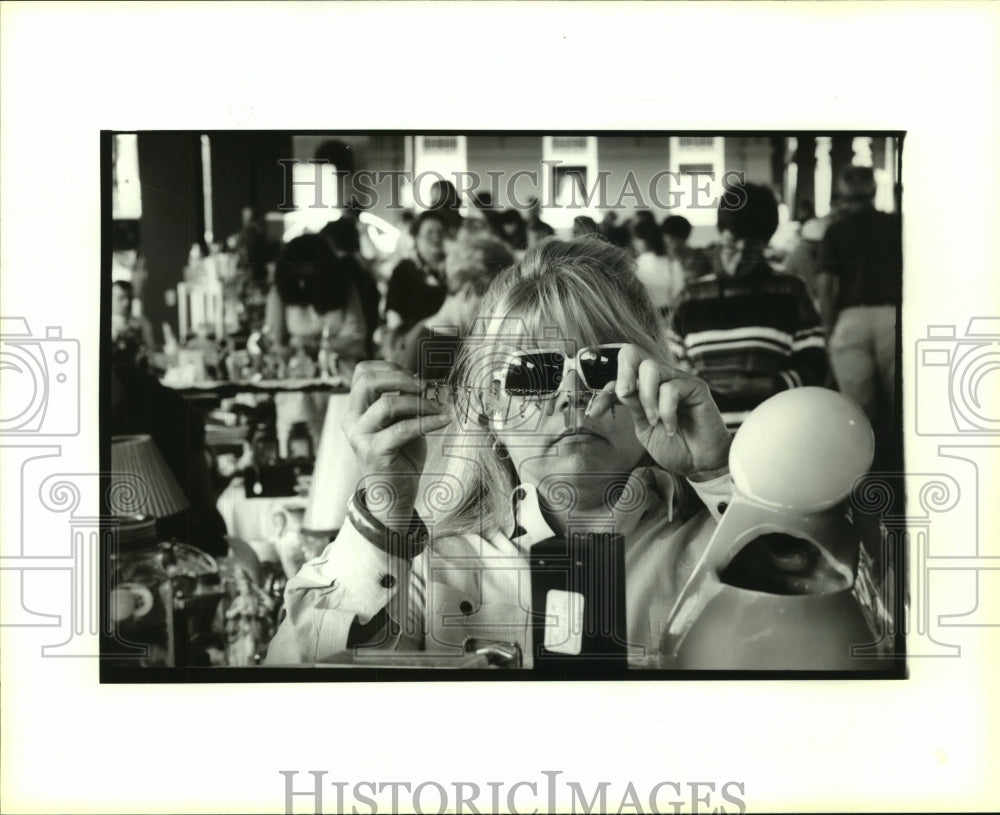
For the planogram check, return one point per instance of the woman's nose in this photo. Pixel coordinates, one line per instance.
(573, 394)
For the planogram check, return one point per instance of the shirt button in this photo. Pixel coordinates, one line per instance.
(388, 581)
(465, 607)
(723, 506)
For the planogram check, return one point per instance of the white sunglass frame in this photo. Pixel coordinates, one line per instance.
(570, 363)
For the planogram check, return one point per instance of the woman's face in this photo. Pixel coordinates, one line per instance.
(430, 241)
(551, 440)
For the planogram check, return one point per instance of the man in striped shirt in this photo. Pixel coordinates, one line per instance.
(747, 330)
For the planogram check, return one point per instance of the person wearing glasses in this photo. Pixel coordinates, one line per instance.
(564, 414)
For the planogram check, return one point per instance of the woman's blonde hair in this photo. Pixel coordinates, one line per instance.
(584, 291)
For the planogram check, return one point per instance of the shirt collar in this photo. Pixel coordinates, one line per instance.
(648, 489)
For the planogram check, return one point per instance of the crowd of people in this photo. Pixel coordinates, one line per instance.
(828, 318)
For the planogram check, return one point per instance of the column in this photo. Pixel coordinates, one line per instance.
(805, 163)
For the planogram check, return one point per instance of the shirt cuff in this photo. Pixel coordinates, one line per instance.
(715, 494)
(405, 541)
(351, 575)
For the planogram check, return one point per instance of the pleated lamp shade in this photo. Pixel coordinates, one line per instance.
(156, 491)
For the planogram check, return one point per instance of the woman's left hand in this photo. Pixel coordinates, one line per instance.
(675, 417)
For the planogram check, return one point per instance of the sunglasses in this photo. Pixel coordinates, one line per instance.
(532, 373)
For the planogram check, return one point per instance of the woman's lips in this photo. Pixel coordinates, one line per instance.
(577, 436)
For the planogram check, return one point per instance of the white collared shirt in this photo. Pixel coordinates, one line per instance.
(480, 586)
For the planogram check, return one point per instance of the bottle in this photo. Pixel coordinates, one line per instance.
(324, 354)
(300, 366)
(300, 443)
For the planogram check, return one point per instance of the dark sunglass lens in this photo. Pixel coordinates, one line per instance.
(534, 373)
(599, 366)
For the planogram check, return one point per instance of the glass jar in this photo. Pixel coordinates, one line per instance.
(300, 443)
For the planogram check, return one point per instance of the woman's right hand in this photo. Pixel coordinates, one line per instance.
(386, 422)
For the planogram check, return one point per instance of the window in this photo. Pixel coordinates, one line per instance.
(440, 144)
(574, 143)
(696, 141)
(691, 169)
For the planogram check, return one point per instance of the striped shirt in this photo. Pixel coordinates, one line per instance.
(761, 324)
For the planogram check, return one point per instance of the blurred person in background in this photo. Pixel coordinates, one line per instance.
(417, 287)
(617, 235)
(480, 219)
(126, 328)
(316, 301)
(691, 263)
(803, 260)
(585, 225)
(482, 203)
(860, 289)
(804, 211)
(315, 291)
(473, 261)
(446, 202)
(514, 230)
(537, 228)
(662, 281)
(345, 240)
(747, 330)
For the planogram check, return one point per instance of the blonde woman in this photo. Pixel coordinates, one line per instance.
(567, 419)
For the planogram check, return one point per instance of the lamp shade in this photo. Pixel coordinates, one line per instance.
(155, 491)
(336, 473)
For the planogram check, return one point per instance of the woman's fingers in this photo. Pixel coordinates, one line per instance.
(390, 408)
(375, 377)
(639, 383)
(669, 399)
(602, 402)
(650, 377)
(627, 383)
(401, 433)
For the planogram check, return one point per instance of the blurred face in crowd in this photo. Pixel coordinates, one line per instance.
(430, 241)
(674, 245)
(121, 303)
(853, 197)
(739, 254)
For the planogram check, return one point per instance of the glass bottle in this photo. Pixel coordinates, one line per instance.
(323, 359)
(300, 443)
(300, 366)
